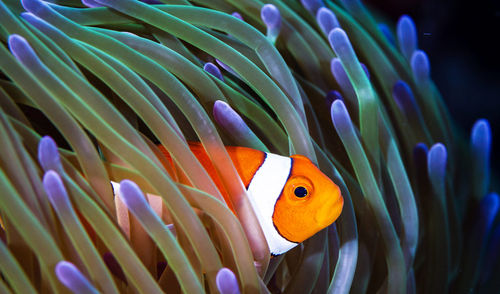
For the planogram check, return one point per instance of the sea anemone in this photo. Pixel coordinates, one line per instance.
(88, 91)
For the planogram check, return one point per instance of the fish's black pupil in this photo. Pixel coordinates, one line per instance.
(300, 192)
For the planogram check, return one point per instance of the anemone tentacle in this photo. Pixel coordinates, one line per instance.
(107, 91)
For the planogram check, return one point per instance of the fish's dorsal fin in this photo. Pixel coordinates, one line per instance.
(247, 161)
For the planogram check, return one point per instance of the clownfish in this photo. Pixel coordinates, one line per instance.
(291, 197)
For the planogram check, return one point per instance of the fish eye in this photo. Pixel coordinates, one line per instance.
(300, 192)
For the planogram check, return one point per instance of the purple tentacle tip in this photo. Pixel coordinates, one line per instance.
(338, 70)
(54, 187)
(226, 116)
(219, 110)
(33, 19)
(340, 115)
(73, 279)
(327, 20)
(480, 144)
(481, 137)
(33, 5)
(338, 39)
(271, 17)
(489, 207)
(19, 46)
(332, 96)
(438, 155)
(407, 36)
(48, 154)
(386, 31)
(237, 15)
(436, 164)
(421, 148)
(420, 152)
(403, 96)
(226, 282)
(420, 66)
(338, 108)
(132, 196)
(213, 70)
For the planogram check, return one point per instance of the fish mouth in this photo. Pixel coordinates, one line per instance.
(330, 212)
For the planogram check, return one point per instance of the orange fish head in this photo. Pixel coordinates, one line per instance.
(310, 201)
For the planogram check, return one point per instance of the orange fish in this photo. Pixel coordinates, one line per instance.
(291, 197)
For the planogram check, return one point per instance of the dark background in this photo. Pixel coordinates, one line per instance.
(462, 40)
